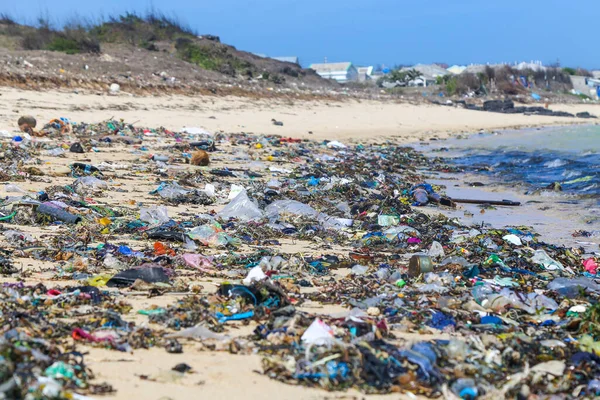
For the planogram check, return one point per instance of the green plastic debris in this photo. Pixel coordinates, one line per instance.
(60, 370)
(155, 311)
(387, 220)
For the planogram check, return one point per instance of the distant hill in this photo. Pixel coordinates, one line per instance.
(140, 53)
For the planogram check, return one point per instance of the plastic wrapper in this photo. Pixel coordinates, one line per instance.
(211, 235)
(197, 261)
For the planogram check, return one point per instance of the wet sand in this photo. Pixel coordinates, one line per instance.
(220, 374)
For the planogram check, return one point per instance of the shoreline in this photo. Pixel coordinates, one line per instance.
(553, 215)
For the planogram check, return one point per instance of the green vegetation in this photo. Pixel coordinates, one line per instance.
(80, 36)
(582, 96)
(212, 58)
(63, 44)
(576, 71)
(398, 75)
(152, 32)
(140, 31)
(452, 86)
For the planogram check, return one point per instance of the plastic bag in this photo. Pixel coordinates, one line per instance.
(359, 269)
(513, 239)
(89, 183)
(334, 223)
(234, 191)
(542, 258)
(197, 261)
(318, 333)
(394, 232)
(242, 208)
(576, 283)
(436, 250)
(10, 187)
(254, 275)
(197, 332)
(171, 190)
(209, 189)
(292, 207)
(155, 215)
(56, 152)
(210, 235)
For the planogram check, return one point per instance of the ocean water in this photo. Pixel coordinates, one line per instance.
(536, 158)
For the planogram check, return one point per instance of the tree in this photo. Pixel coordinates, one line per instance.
(412, 74)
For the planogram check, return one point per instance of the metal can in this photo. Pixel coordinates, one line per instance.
(419, 264)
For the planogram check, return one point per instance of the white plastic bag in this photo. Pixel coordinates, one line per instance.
(242, 208)
(154, 215)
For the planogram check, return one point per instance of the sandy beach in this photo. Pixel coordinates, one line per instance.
(220, 374)
(349, 119)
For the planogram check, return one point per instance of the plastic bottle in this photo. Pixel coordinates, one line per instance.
(58, 214)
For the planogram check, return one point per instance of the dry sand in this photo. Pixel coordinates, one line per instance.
(220, 374)
(361, 120)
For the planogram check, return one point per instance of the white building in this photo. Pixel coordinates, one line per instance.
(341, 72)
(365, 73)
(429, 74)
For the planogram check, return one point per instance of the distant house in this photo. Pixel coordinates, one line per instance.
(341, 72)
(365, 73)
(456, 69)
(290, 59)
(429, 74)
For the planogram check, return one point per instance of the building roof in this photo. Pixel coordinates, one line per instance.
(331, 67)
(365, 70)
(456, 69)
(290, 59)
(430, 71)
(535, 66)
(476, 68)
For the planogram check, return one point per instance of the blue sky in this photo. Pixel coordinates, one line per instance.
(367, 32)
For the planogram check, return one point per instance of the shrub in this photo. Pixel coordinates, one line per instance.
(452, 86)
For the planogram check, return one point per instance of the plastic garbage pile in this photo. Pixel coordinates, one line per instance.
(278, 234)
